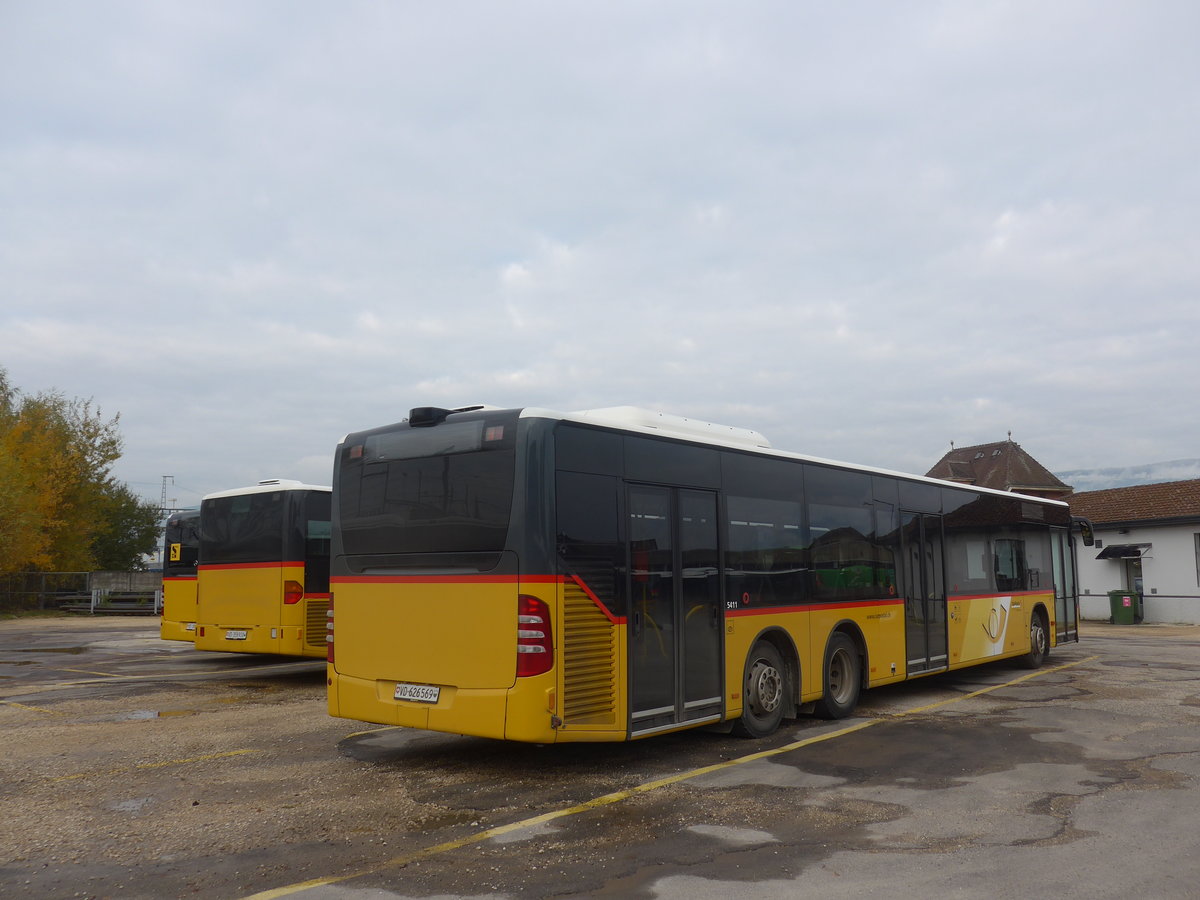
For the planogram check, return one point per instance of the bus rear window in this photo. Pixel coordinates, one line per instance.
(244, 528)
(446, 489)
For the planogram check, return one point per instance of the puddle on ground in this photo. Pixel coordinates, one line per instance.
(132, 806)
(138, 714)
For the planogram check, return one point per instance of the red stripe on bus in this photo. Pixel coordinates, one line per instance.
(810, 607)
(608, 614)
(1045, 593)
(212, 567)
(179, 578)
(515, 580)
(434, 579)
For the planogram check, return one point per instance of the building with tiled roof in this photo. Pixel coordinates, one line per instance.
(1148, 543)
(1004, 466)
(1142, 503)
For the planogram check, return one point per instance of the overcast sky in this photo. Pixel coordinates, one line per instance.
(864, 229)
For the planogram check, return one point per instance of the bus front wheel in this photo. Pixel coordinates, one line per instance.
(843, 678)
(1039, 642)
(764, 692)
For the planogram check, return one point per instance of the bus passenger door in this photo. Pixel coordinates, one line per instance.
(1066, 612)
(675, 624)
(924, 592)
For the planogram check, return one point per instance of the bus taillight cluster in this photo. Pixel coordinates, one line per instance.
(329, 631)
(535, 642)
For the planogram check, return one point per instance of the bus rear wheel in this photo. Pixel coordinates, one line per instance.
(764, 690)
(842, 678)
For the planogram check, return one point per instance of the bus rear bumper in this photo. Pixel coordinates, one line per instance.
(478, 712)
(286, 640)
(177, 631)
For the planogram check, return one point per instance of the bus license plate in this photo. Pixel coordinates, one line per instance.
(235, 634)
(420, 693)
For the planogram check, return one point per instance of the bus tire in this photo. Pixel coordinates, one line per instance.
(1039, 641)
(841, 679)
(764, 692)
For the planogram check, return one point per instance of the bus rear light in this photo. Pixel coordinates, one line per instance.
(535, 641)
(292, 592)
(329, 631)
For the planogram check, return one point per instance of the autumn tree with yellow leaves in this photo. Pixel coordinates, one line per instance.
(60, 509)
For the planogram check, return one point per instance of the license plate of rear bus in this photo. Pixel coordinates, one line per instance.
(420, 693)
(235, 634)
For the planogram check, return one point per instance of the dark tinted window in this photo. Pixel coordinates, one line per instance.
(1010, 567)
(649, 460)
(317, 534)
(759, 476)
(588, 538)
(850, 559)
(181, 543)
(968, 554)
(244, 528)
(766, 553)
(920, 497)
(581, 449)
(447, 488)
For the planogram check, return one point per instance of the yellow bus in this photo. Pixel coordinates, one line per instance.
(612, 574)
(263, 574)
(181, 546)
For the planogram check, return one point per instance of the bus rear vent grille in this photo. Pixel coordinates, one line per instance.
(590, 661)
(314, 622)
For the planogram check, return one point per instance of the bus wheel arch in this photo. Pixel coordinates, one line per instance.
(770, 685)
(1039, 638)
(843, 672)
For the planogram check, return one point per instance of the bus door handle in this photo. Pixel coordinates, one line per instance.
(637, 622)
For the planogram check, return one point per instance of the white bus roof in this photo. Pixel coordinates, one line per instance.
(270, 484)
(646, 421)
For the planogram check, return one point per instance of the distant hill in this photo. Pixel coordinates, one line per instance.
(1150, 473)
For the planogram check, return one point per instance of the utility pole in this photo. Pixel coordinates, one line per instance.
(162, 503)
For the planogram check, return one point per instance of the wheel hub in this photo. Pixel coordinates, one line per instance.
(766, 687)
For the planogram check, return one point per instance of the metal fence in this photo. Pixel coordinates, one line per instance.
(96, 592)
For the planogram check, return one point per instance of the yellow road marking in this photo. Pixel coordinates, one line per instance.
(53, 712)
(124, 770)
(618, 796)
(372, 731)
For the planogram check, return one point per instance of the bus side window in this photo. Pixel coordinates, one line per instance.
(1010, 564)
(588, 535)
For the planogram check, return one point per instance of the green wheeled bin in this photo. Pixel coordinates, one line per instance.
(1126, 607)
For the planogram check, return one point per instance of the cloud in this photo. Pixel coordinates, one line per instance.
(258, 227)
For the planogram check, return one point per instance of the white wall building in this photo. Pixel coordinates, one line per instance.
(1148, 543)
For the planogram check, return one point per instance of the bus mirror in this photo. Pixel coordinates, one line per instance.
(1084, 527)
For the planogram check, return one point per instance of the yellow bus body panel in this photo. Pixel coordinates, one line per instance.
(993, 627)
(178, 622)
(883, 630)
(240, 609)
(460, 637)
(444, 633)
(808, 632)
